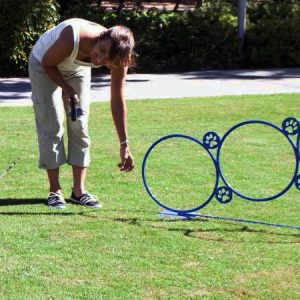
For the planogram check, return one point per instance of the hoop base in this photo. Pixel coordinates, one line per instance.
(176, 215)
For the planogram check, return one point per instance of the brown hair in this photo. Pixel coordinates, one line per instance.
(121, 51)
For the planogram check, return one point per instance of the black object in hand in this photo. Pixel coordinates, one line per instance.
(73, 108)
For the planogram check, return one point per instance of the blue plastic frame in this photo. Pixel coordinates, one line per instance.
(210, 141)
(295, 150)
(176, 135)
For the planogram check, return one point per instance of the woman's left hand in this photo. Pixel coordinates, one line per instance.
(126, 163)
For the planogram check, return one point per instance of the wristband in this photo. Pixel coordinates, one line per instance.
(124, 142)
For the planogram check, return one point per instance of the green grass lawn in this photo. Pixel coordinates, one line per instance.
(124, 250)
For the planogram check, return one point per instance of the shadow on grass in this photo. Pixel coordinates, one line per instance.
(33, 201)
(53, 213)
(21, 201)
(203, 234)
(200, 234)
(207, 234)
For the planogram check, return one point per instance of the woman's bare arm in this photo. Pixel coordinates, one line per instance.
(119, 113)
(60, 50)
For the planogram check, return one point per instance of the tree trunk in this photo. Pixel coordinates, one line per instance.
(176, 5)
(138, 3)
(121, 4)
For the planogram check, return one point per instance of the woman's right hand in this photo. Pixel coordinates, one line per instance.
(67, 93)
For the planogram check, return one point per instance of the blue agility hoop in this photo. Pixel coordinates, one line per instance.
(179, 211)
(224, 193)
(281, 131)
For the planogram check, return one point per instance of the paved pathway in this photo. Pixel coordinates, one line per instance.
(16, 91)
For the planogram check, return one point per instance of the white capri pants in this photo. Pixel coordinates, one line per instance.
(49, 117)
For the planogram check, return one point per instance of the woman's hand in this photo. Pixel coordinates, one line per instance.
(126, 163)
(67, 93)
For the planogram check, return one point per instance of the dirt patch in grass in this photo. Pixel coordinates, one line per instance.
(192, 265)
(276, 280)
(176, 293)
(155, 294)
(80, 235)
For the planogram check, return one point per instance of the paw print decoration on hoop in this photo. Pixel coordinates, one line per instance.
(290, 126)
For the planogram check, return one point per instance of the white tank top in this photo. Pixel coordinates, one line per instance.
(48, 39)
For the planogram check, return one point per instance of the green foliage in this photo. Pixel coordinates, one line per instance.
(24, 22)
(273, 34)
(166, 41)
(169, 41)
(79, 8)
(206, 38)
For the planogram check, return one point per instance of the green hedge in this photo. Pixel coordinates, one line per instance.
(181, 41)
(22, 23)
(206, 39)
(273, 34)
(166, 41)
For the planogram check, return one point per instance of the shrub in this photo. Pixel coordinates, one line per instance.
(166, 41)
(175, 41)
(24, 22)
(273, 34)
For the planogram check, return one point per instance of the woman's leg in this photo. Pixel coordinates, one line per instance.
(53, 176)
(79, 174)
(78, 137)
(49, 116)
